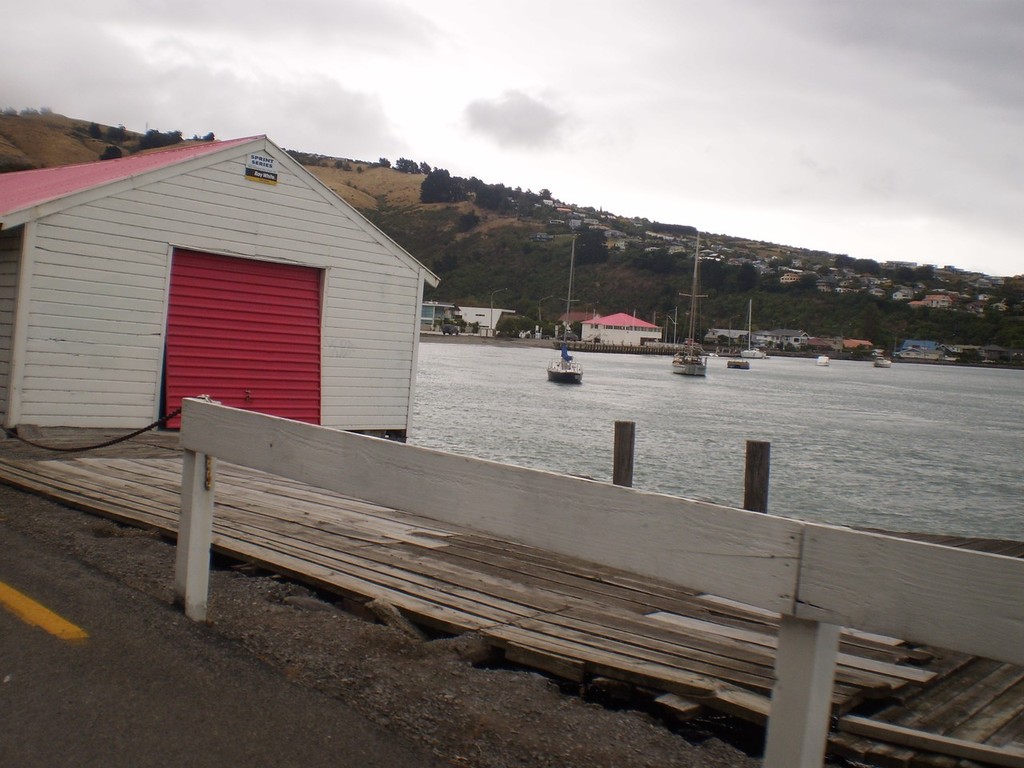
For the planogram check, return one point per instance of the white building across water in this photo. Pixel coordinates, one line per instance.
(620, 329)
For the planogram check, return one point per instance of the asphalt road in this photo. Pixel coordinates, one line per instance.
(147, 687)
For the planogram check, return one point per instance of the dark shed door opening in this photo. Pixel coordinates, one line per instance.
(245, 332)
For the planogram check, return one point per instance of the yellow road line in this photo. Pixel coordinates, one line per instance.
(31, 612)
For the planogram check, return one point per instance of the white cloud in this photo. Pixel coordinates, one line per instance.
(516, 120)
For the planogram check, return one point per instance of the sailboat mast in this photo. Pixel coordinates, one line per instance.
(750, 312)
(693, 293)
(568, 296)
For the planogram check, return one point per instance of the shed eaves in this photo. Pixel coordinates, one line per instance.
(24, 189)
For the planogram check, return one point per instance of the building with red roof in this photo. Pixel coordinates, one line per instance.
(222, 268)
(621, 328)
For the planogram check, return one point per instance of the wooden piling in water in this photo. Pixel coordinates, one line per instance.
(755, 476)
(622, 462)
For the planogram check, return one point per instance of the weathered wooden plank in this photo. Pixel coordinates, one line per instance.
(432, 614)
(601, 662)
(965, 695)
(564, 667)
(1002, 709)
(681, 709)
(567, 576)
(885, 671)
(935, 707)
(1011, 734)
(752, 556)
(632, 647)
(865, 644)
(1000, 756)
(80, 498)
(356, 570)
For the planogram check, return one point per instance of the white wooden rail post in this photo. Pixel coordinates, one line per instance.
(195, 533)
(805, 666)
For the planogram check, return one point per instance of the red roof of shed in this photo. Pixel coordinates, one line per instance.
(25, 189)
(622, 319)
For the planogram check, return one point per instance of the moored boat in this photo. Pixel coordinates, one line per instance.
(750, 352)
(691, 360)
(565, 369)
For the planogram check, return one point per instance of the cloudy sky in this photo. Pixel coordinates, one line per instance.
(883, 129)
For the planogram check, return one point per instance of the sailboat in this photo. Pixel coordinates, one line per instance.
(751, 353)
(691, 360)
(564, 369)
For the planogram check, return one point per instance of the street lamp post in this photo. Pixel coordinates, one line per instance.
(539, 303)
(490, 317)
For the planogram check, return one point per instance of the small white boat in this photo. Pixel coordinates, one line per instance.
(750, 352)
(883, 362)
(822, 361)
(564, 369)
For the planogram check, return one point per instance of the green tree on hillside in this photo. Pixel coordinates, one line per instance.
(591, 247)
(440, 187)
(746, 278)
(153, 139)
(405, 165)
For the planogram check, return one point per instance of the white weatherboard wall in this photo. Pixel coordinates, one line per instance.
(10, 245)
(100, 276)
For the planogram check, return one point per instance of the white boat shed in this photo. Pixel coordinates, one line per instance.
(219, 268)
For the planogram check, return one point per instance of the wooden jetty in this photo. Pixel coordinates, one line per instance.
(692, 652)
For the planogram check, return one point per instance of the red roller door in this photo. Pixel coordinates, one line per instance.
(245, 332)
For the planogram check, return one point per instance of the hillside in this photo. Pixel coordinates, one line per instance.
(513, 246)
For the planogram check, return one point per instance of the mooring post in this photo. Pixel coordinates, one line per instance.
(622, 463)
(755, 476)
(195, 533)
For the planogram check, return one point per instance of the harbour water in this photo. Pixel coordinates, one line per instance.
(908, 448)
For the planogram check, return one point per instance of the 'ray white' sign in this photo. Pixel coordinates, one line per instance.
(261, 168)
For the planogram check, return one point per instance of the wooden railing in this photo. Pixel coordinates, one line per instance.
(818, 577)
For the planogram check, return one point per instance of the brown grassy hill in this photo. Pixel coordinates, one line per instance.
(46, 140)
(370, 187)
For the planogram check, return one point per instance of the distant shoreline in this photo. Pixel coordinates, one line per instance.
(504, 341)
(472, 338)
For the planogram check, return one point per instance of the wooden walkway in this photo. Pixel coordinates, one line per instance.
(575, 620)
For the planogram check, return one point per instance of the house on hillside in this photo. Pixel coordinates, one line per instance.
(935, 301)
(620, 329)
(222, 268)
